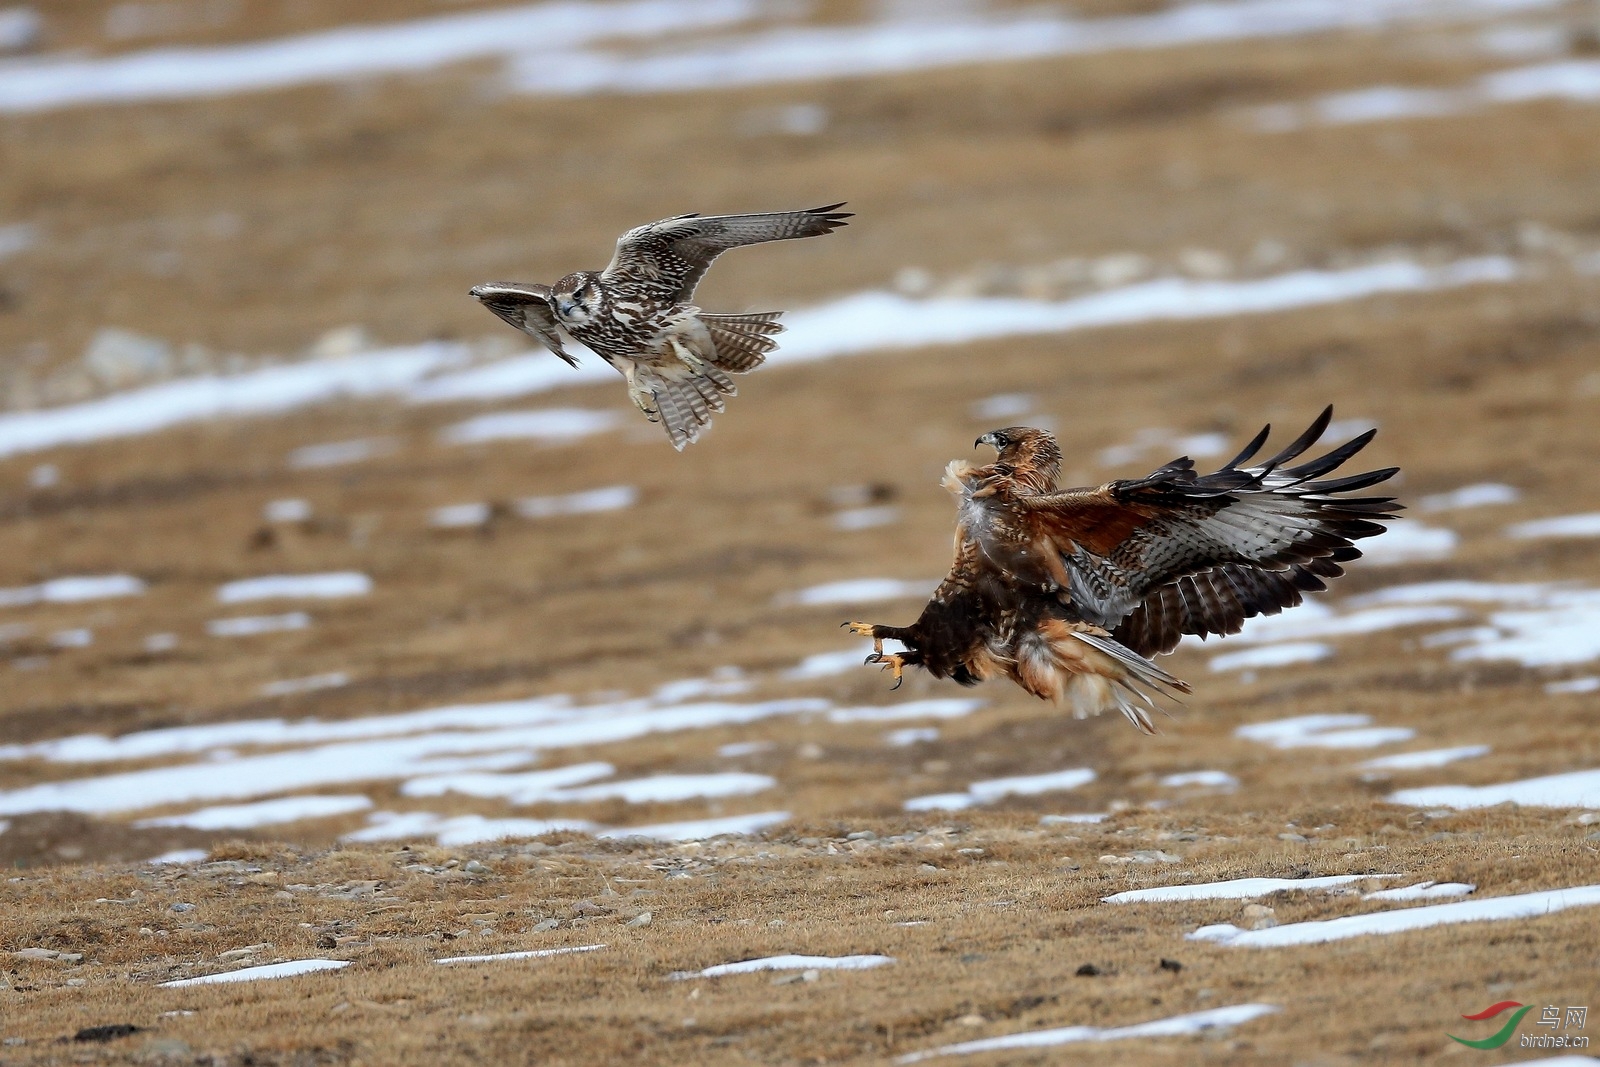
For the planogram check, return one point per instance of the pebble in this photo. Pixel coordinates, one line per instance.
(1301, 838)
(180, 907)
(641, 919)
(48, 954)
(1259, 917)
(474, 867)
(972, 1019)
(109, 1032)
(861, 835)
(1088, 970)
(803, 976)
(545, 924)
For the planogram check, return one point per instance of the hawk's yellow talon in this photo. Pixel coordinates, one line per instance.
(865, 629)
(892, 661)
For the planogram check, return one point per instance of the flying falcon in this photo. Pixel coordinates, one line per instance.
(638, 313)
(1070, 592)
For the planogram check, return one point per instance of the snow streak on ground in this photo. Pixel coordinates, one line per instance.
(869, 322)
(790, 963)
(263, 813)
(1424, 891)
(547, 44)
(1576, 789)
(1535, 624)
(1324, 731)
(296, 586)
(1433, 757)
(72, 590)
(1522, 906)
(1576, 80)
(270, 970)
(531, 954)
(348, 52)
(1236, 888)
(998, 788)
(1199, 1022)
(1482, 494)
(901, 45)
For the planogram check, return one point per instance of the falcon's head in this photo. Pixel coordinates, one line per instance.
(511, 300)
(577, 298)
(1032, 454)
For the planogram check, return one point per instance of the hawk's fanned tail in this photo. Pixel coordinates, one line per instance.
(742, 341)
(1136, 677)
(685, 400)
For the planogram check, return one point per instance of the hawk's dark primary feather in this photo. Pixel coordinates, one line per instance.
(1068, 592)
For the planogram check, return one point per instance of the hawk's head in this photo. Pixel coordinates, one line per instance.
(577, 298)
(1032, 454)
(511, 300)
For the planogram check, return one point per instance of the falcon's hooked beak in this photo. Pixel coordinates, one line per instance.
(988, 439)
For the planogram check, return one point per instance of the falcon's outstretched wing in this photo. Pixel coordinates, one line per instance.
(1179, 553)
(678, 250)
(528, 308)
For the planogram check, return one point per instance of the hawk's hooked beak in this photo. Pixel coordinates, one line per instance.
(987, 439)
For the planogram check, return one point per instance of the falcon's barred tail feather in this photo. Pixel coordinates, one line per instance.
(742, 341)
(686, 400)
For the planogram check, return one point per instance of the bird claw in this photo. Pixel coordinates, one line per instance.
(642, 401)
(867, 629)
(892, 661)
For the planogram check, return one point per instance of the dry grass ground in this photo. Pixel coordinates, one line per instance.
(253, 224)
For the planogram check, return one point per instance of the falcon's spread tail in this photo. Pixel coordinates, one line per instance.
(685, 399)
(742, 341)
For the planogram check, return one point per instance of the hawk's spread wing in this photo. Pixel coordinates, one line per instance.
(678, 250)
(1179, 553)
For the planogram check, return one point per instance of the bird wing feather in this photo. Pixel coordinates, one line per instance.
(1176, 552)
(540, 320)
(680, 249)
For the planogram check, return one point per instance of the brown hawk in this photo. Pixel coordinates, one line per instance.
(1069, 592)
(637, 314)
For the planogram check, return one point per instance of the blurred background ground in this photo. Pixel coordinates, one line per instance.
(235, 343)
